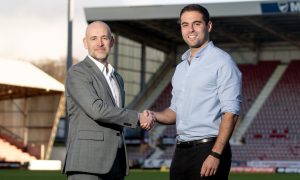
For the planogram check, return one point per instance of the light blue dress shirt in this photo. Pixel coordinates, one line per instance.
(203, 91)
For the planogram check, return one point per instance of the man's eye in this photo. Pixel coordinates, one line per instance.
(197, 24)
(184, 25)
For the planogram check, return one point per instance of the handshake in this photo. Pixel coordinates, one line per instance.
(147, 119)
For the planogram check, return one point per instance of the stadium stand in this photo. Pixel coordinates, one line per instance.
(169, 151)
(11, 153)
(137, 147)
(31, 104)
(255, 77)
(163, 101)
(274, 133)
(137, 154)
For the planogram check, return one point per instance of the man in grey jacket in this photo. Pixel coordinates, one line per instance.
(95, 100)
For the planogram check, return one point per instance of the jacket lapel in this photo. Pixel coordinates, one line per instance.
(96, 71)
(119, 81)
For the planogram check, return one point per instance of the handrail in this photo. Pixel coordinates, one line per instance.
(16, 140)
(11, 137)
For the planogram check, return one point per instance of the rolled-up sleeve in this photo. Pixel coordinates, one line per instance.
(173, 104)
(230, 88)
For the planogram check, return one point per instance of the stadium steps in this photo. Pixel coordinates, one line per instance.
(259, 101)
(255, 76)
(274, 133)
(10, 153)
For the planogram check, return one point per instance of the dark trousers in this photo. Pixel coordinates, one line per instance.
(117, 171)
(187, 163)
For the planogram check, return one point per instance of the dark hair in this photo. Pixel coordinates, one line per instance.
(199, 8)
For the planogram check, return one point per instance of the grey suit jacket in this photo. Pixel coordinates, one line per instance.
(95, 121)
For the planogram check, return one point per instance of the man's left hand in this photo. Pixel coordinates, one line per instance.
(209, 166)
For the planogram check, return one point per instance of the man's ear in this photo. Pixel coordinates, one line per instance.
(209, 25)
(85, 43)
(112, 41)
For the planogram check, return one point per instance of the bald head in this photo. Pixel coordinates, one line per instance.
(97, 25)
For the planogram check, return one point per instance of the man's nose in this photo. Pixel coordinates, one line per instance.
(100, 42)
(191, 28)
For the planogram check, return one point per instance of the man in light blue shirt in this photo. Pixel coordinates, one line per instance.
(205, 104)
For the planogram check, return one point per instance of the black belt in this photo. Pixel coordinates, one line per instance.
(187, 144)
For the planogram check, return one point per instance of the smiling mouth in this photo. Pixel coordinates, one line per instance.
(100, 49)
(192, 36)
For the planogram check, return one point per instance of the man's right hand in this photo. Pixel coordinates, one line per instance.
(147, 120)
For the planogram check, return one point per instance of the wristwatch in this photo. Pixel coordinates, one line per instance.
(215, 154)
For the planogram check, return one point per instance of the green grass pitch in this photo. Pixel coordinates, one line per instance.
(134, 175)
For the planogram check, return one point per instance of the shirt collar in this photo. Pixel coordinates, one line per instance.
(187, 54)
(102, 67)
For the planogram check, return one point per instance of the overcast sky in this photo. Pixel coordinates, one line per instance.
(33, 29)
(37, 29)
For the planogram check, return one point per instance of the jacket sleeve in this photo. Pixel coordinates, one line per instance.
(79, 87)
